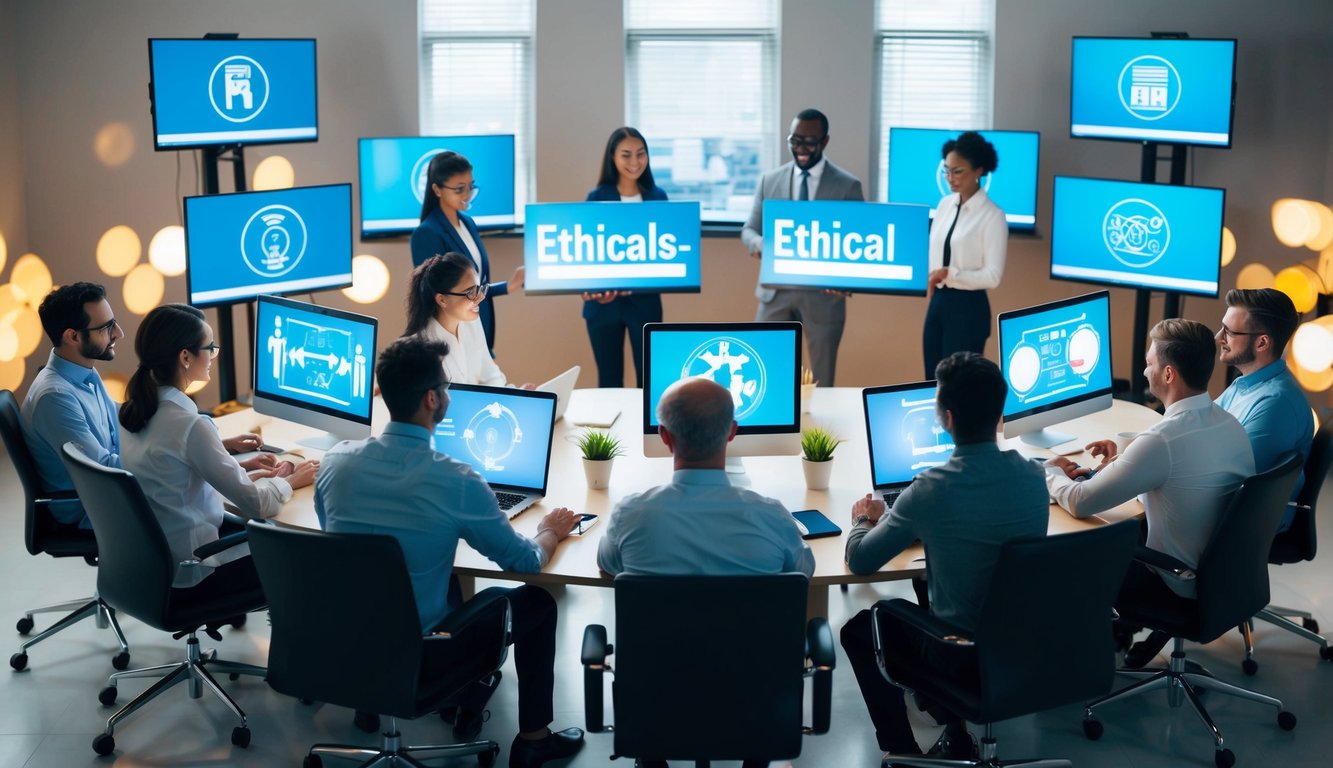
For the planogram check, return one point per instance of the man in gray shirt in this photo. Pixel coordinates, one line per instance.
(962, 511)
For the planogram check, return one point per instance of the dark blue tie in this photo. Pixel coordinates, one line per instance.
(804, 194)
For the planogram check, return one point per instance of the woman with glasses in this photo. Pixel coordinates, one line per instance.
(444, 299)
(445, 227)
(178, 458)
(626, 177)
(966, 254)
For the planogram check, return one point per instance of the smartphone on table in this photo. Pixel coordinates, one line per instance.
(814, 525)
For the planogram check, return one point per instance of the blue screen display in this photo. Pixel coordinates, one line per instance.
(759, 365)
(645, 247)
(240, 245)
(315, 357)
(1152, 236)
(904, 432)
(1152, 89)
(846, 246)
(393, 180)
(1056, 353)
(208, 92)
(916, 170)
(504, 434)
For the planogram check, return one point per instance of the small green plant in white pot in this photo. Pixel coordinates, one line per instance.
(817, 447)
(599, 449)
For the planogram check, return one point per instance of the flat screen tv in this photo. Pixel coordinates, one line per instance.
(917, 174)
(393, 180)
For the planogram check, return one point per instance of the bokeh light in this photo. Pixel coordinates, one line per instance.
(11, 373)
(118, 251)
(9, 343)
(114, 144)
(166, 251)
(1312, 346)
(1295, 221)
(143, 290)
(370, 280)
(1301, 284)
(1228, 246)
(4, 251)
(1254, 276)
(32, 277)
(116, 384)
(28, 325)
(274, 172)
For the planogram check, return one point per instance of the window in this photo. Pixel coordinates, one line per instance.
(476, 75)
(701, 84)
(934, 68)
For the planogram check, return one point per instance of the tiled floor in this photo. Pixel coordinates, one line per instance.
(49, 714)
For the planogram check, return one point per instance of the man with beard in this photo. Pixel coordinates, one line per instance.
(809, 176)
(1265, 399)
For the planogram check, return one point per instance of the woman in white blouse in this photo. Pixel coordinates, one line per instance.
(178, 458)
(968, 240)
(443, 304)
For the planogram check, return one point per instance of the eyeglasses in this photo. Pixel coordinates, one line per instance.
(211, 349)
(475, 293)
(439, 385)
(107, 326)
(804, 141)
(470, 190)
(1230, 334)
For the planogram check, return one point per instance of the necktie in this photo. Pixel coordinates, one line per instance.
(948, 237)
(804, 194)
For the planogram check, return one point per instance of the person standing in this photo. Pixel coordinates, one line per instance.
(809, 176)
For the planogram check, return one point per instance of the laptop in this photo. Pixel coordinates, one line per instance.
(505, 434)
(562, 387)
(903, 434)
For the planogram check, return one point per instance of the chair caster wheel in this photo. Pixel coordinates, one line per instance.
(1092, 728)
(240, 736)
(312, 761)
(24, 625)
(103, 744)
(487, 759)
(1224, 758)
(107, 696)
(121, 660)
(1249, 666)
(1286, 720)
(19, 661)
(1310, 624)
(367, 722)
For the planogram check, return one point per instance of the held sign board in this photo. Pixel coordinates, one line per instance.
(641, 247)
(846, 246)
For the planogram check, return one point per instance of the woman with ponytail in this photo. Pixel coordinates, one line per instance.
(444, 300)
(178, 458)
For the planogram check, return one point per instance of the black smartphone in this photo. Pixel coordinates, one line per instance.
(814, 525)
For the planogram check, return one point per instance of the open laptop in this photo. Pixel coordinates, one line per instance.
(562, 386)
(505, 434)
(903, 434)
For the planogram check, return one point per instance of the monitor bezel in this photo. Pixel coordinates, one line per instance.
(866, 394)
(534, 394)
(1015, 419)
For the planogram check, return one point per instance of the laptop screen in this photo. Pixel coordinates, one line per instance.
(903, 433)
(504, 433)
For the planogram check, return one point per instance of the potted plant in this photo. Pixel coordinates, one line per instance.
(817, 456)
(598, 448)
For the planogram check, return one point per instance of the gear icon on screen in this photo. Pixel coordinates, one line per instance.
(733, 364)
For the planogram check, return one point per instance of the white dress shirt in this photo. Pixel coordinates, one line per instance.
(468, 361)
(1183, 469)
(978, 246)
(472, 250)
(812, 183)
(185, 472)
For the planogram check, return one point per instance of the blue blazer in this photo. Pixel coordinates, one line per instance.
(435, 236)
(636, 305)
(608, 193)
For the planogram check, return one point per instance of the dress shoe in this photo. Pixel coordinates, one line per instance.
(467, 724)
(954, 746)
(1144, 651)
(531, 753)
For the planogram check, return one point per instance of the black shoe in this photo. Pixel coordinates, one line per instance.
(527, 753)
(950, 746)
(1144, 651)
(467, 724)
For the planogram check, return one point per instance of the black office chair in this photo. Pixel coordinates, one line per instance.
(40, 534)
(310, 576)
(1298, 543)
(134, 576)
(1231, 583)
(1043, 638)
(710, 667)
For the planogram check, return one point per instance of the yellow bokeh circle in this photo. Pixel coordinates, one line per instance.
(1254, 276)
(166, 251)
(143, 290)
(118, 251)
(11, 373)
(274, 172)
(1228, 246)
(1301, 284)
(32, 276)
(1295, 221)
(370, 280)
(116, 384)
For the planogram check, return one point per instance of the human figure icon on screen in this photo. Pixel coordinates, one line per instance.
(277, 347)
(236, 82)
(359, 373)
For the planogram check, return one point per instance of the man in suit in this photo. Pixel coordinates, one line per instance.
(809, 176)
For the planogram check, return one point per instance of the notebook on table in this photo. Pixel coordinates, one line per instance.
(903, 434)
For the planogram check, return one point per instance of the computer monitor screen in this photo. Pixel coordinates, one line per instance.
(1056, 359)
(904, 433)
(1153, 236)
(313, 366)
(917, 173)
(504, 433)
(217, 91)
(1170, 90)
(759, 363)
(393, 180)
(240, 245)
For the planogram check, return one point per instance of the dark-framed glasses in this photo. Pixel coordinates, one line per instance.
(1230, 334)
(470, 191)
(804, 141)
(475, 293)
(107, 326)
(211, 349)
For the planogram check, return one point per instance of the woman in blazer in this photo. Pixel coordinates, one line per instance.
(626, 177)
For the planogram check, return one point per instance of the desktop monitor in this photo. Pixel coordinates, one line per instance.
(393, 180)
(1056, 359)
(211, 92)
(1137, 235)
(313, 366)
(1159, 89)
(240, 245)
(760, 363)
(904, 433)
(917, 173)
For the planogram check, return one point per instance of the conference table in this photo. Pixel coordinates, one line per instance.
(838, 410)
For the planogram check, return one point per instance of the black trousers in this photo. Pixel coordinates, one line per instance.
(956, 321)
(228, 578)
(607, 326)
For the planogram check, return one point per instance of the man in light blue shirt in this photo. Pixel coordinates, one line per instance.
(398, 485)
(67, 401)
(699, 524)
(1265, 399)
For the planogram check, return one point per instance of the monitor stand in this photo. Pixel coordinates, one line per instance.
(1047, 438)
(736, 473)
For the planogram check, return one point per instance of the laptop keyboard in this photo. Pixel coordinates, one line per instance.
(890, 496)
(508, 500)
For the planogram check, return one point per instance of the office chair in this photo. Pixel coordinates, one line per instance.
(134, 576)
(1231, 583)
(1297, 543)
(307, 579)
(710, 667)
(1043, 638)
(40, 534)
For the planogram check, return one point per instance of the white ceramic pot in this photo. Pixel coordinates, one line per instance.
(598, 473)
(817, 473)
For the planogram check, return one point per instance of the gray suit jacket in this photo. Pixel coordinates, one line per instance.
(834, 184)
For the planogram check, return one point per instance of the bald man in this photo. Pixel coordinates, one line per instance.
(698, 524)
